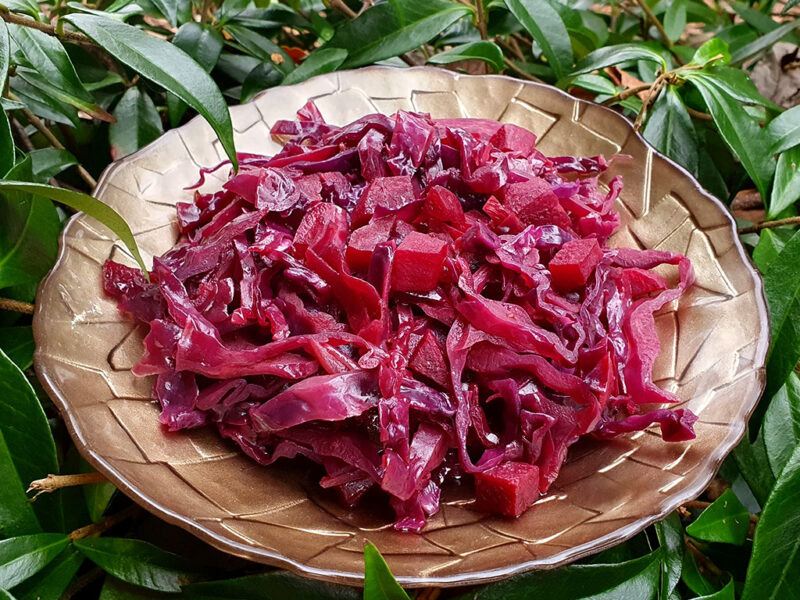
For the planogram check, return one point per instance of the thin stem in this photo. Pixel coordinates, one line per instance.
(343, 8)
(51, 483)
(81, 582)
(67, 36)
(655, 90)
(702, 560)
(515, 50)
(510, 64)
(22, 137)
(10, 305)
(770, 225)
(699, 115)
(481, 14)
(105, 524)
(54, 141)
(654, 20)
(625, 94)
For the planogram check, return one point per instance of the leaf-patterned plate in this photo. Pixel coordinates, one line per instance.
(713, 350)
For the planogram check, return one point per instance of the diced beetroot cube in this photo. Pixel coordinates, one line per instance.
(502, 217)
(574, 262)
(515, 139)
(363, 240)
(508, 489)
(418, 263)
(443, 205)
(428, 359)
(534, 202)
(401, 230)
(389, 192)
(643, 282)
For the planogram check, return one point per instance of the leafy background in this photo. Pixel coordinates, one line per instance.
(707, 82)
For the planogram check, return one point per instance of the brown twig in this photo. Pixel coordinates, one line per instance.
(625, 94)
(699, 115)
(654, 20)
(481, 16)
(515, 50)
(510, 64)
(655, 90)
(343, 8)
(703, 562)
(81, 582)
(105, 524)
(10, 305)
(22, 138)
(67, 36)
(54, 141)
(51, 483)
(769, 225)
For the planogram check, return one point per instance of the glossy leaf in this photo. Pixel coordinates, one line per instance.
(670, 541)
(675, 19)
(394, 27)
(79, 201)
(122, 14)
(753, 463)
(488, 52)
(98, 496)
(7, 153)
(781, 428)
(595, 83)
(17, 343)
(545, 25)
(168, 8)
(615, 55)
(137, 562)
(786, 187)
(138, 123)
(669, 128)
(282, 585)
(261, 47)
(784, 130)
(322, 60)
(764, 42)
(16, 513)
(53, 580)
(42, 105)
(692, 578)
(49, 162)
(200, 41)
(265, 75)
(6, 595)
(726, 520)
(166, 65)
(637, 578)
(770, 244)
(740, 132)
(714, 51)
(733, 83)
(55, 72)
(29, 236)
(772, 573)
(24, 556)
(379, 583)
(726, 593)
(782, 287)
(114, 589)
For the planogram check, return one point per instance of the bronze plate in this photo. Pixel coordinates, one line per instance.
(713, 350)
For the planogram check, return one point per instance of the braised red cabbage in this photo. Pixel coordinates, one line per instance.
(407, 301)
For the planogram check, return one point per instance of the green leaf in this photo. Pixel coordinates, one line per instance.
(55, 73)
(16, 513)
(379, 583)
(42, 105)
(786, 186)
(770, 244)
(114, 589)
(138, 123)
(772, 573)
(168, 8)
(740, 131)
(29, 236)
(265, 75)
(323, 60)
(166, 65)
(784, 130)
(753, 464)
(782, 287)
(669, 128)
(675, 19)
(595, 83)
(281, 585)
(24, 556)
(726, 593)
(488, 52)
(137, 562)
(692, 578)
(764, 42)
(49, 162)
(615, 55)
(781, 428)
(261, 47)
(17, 343)
(545, 25)
(394, 27)
(637, 578)
(122, 14)
(28, 7)
(7, 152)
(53, 580)
(200, 41)
(714, 50)
(670, 541)
(4, 595)
(91, 206)
(733, 82)
(726, 521)
(98, 496)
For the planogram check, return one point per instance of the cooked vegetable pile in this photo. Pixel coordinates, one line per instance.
(407, 301)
